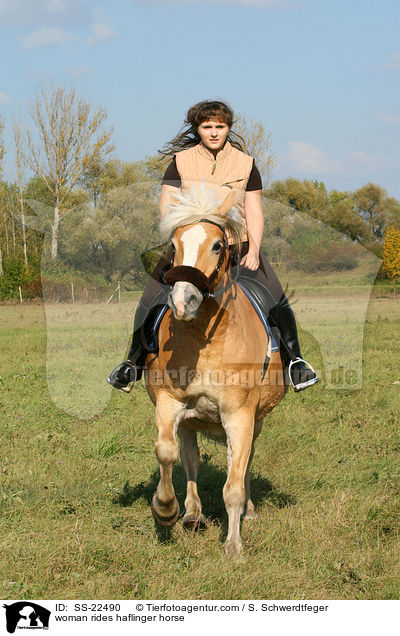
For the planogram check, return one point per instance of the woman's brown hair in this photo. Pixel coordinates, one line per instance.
(188, 136)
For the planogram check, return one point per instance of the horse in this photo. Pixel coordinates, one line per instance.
(209, 373)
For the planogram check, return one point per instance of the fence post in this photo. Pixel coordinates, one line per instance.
(20, 294)
(112, 296)
(72, 289)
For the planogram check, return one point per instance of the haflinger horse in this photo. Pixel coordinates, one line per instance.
(208, 375)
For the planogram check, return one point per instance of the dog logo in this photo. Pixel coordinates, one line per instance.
(26, 615)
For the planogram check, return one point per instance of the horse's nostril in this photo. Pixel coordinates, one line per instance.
(192, 299)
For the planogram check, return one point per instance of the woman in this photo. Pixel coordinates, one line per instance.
(208, 151)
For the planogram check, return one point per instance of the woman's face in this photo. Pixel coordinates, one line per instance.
(213, 134)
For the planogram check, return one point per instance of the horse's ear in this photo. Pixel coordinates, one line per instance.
(226, 205)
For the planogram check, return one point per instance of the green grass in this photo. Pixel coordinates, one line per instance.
(75, 520)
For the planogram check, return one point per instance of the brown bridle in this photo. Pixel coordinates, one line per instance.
(193, 275)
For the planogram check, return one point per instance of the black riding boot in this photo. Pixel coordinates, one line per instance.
(301, 373)
(125, 374)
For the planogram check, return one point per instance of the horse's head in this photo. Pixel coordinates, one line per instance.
(201, 253)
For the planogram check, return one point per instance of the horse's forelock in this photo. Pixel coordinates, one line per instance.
(198, 203)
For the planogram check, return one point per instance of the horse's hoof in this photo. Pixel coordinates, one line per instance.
(233, 548)
(168, 519)
(192, 521)
(249, 512)
(250, 515)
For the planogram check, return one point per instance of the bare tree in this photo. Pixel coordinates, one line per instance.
(1, 171)
(69, 139)
(19, 165)
(258, 144)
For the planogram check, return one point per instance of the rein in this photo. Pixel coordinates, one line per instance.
(193, 275)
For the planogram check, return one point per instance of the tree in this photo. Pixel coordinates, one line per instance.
(361, 216)
(303, 227)
(91, 179)
(1, 174)
(69, 140)
(371, 204)
(304, 196)
(341, 214)
(119, 174)
(35, 189)
(19, 165)
(110, 239)
(393, 212)
(391, 254)
(258, 144)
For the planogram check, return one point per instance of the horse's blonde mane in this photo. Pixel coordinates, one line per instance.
(199, 203)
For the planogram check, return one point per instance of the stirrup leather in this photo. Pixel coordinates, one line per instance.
(115, 383)
(302, 385)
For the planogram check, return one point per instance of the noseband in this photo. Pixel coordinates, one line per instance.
(193, 275)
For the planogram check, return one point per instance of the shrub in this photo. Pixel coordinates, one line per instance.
(391, 254)
(32, 289)
(15, 274)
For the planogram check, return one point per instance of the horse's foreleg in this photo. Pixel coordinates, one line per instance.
(249, 512)
(239, 434)
(165, 506)
(190, 457)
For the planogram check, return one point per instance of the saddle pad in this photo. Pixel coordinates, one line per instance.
(253, 291)
(152, 343)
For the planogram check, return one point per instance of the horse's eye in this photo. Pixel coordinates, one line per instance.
(217, 246)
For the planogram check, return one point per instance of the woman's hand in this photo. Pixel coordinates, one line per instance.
(251, 260)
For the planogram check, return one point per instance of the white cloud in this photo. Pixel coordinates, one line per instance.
(4, 99)
(389, 119)
(101, 32)
(394, 62)
(78, 71)
(367, 163)
(306, 158)
(47, 36)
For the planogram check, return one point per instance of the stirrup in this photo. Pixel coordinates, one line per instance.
(112, 378)
(302, 385)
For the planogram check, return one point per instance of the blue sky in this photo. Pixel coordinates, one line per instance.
(322, 75)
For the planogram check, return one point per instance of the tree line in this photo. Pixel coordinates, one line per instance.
(75, 212)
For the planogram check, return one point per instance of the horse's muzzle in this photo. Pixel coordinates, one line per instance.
(185, 300)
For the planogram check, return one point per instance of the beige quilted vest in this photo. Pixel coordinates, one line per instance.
(229, 170)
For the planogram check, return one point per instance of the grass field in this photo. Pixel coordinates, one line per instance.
(78, 469)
